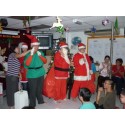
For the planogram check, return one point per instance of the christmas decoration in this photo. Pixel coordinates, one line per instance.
(58, 24)
(105, 22)
(116, 26)
(1, 27)
(26, 19)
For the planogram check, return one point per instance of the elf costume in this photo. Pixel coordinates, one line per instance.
(34, 62)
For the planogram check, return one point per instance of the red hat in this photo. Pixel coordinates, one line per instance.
(81, 45)
(63, 44)
(24, 45)
(34, 40)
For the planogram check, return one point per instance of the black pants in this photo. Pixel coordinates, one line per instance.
(11, 88)
(119, 82)
(35, 90)
(98, 106)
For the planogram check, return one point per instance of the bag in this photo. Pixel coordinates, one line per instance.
(21, 99)
(49, 84)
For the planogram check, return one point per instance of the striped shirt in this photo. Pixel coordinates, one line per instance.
(13, 65)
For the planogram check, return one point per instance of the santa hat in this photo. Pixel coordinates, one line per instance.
(63, 44)
(81, 45)
(34, 40)
(24, 45)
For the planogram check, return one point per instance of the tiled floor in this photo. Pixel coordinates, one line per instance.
(67, 104)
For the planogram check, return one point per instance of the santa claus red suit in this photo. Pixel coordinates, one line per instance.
(61, 70)
(82, 72)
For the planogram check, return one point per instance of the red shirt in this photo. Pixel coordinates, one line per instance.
(115, 68)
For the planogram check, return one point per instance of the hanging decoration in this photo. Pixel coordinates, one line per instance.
(105, 22)
(26, 19)
(9, 40)
(93, 30)
(116, 26)
(1, 27)
(59, 26)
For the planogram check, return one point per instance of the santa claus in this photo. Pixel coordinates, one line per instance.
(82, 72)
(61, 70)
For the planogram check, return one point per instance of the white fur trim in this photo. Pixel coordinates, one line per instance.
(81, 62)
(36, 43)
(82, 78)
(67, 59)
(82, 47)
(24, 46)
(63, 46)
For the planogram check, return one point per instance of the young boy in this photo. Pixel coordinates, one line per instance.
(84, 96)
(122, 98)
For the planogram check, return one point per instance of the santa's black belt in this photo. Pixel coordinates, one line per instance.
(60, 69)
(36, 67)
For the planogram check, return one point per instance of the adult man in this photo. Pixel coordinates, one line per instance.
(34, 62)
(82, 73)
(61, 69)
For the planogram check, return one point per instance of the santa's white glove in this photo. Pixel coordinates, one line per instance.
(81, 61)
(91, 72)
(39, 53)
(32, 51)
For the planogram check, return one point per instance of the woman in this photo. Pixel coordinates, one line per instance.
(12, 76)
(118, 75)
(104, 71)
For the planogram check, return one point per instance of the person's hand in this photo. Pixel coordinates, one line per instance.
(32, 51)
(100, 89)
(71, 63)
(39, 53)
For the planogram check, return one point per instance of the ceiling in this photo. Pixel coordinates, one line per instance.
(43, 23)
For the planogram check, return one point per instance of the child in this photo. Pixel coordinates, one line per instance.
(122, 98)
(93, 68)
(84, 96)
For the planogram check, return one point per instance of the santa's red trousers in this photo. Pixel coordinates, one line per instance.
(82, 84)
(60, 89)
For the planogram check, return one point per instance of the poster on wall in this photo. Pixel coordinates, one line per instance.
(98, 48)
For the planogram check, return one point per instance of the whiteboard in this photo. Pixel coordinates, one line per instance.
(98, 48)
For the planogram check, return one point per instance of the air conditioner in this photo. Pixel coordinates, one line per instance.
(105, 32)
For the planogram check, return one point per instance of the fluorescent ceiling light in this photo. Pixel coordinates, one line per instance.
(8, 32)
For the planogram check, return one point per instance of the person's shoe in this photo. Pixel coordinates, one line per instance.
(57, 101)
(64, 99)
(41, 102)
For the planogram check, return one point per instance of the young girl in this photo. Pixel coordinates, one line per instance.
(93, 68)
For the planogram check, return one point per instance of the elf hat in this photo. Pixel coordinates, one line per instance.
(34, 40)
(63, 44)
(24, 45)
(81, 45)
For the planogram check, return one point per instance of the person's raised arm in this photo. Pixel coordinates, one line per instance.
(22, 54)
